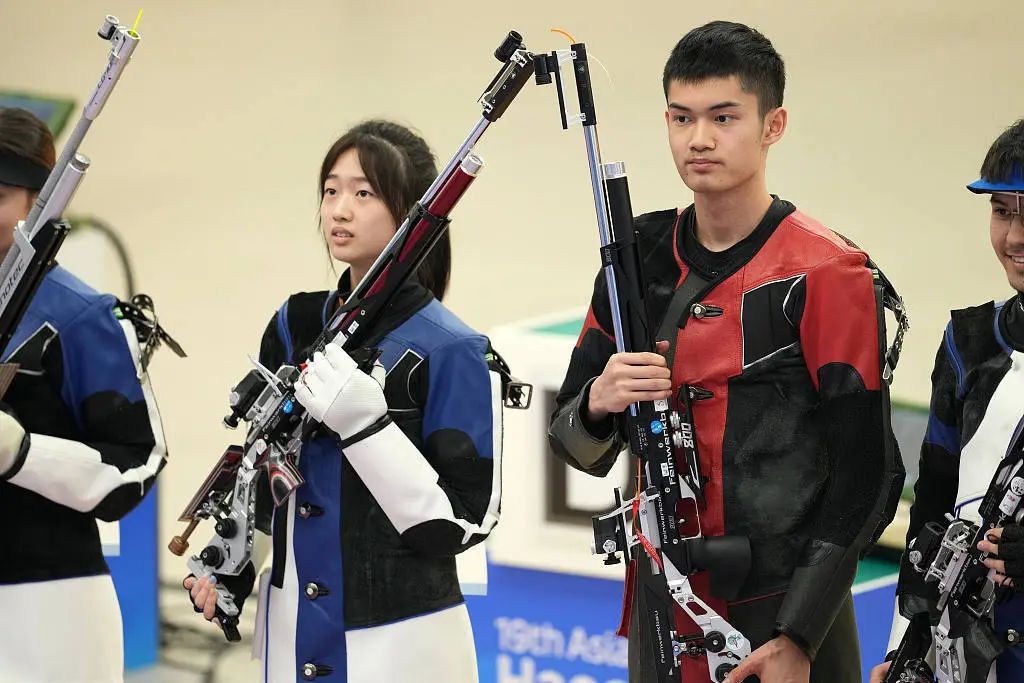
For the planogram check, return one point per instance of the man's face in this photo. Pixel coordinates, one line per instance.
(1006, 229)
(717, 135)
(15, 203)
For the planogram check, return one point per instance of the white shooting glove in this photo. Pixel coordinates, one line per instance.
(337, 393)
(12, 438)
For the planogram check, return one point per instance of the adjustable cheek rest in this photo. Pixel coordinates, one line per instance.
(726, 559)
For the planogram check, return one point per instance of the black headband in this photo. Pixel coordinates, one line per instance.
(21, 172)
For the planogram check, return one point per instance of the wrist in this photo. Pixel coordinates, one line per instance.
(599, 425)
(368, 431)
(357, 407)
(595, 412)
(788, 642)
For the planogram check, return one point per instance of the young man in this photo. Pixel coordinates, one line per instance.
(977, 403)
(773, 329)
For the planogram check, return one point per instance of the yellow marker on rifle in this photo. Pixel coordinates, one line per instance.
(591, 56)
(564, 33)
(138, 18)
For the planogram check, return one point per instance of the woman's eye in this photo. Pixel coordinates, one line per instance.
(330, 191)
(1002, 213)
(723, 118)
(364, 193)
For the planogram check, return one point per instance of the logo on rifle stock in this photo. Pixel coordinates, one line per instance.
(12, 280)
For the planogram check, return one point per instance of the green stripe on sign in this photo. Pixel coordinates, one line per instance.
(871, 568)
(569, 328)
(873, 573)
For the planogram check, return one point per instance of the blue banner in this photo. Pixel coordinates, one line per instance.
(546, 627)
(134, 572)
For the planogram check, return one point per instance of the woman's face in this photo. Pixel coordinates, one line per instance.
(15, 203)
(356, 222)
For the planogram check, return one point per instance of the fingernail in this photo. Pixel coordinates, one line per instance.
(213, 579)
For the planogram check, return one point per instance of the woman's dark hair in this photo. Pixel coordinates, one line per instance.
(399, 165)
(24, 135)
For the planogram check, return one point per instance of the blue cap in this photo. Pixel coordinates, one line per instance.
(1013, 184)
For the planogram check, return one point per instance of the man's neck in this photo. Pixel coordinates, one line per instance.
(727, 218)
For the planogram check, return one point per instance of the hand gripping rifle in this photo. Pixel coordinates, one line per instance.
(662, 522)
(278, 425)
(40, 235)
(947, 554)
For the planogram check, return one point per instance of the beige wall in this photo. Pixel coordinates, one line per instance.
(206, 157)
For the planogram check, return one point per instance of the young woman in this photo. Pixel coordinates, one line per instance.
(363, 586)
(85, 444)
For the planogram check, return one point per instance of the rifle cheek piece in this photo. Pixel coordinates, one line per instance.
(725, 558)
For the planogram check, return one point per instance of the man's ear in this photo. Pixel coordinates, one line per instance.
(775, 125)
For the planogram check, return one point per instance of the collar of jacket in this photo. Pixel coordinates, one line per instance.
(717, 266)
(410, 298)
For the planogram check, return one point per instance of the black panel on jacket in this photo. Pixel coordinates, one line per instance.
(70, 546)
(769, 324)
(1011, 322)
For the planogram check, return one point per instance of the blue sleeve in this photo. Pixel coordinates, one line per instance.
(442, 494)
(97, 359)
(939, 463)
(460, 395)
(114, 409)
(462, 435)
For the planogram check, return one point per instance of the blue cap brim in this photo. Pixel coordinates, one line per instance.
(982, 186)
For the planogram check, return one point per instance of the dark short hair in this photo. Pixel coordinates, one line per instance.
(722, 49)
(23, 134)
(1005, 158)
(400, 167)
